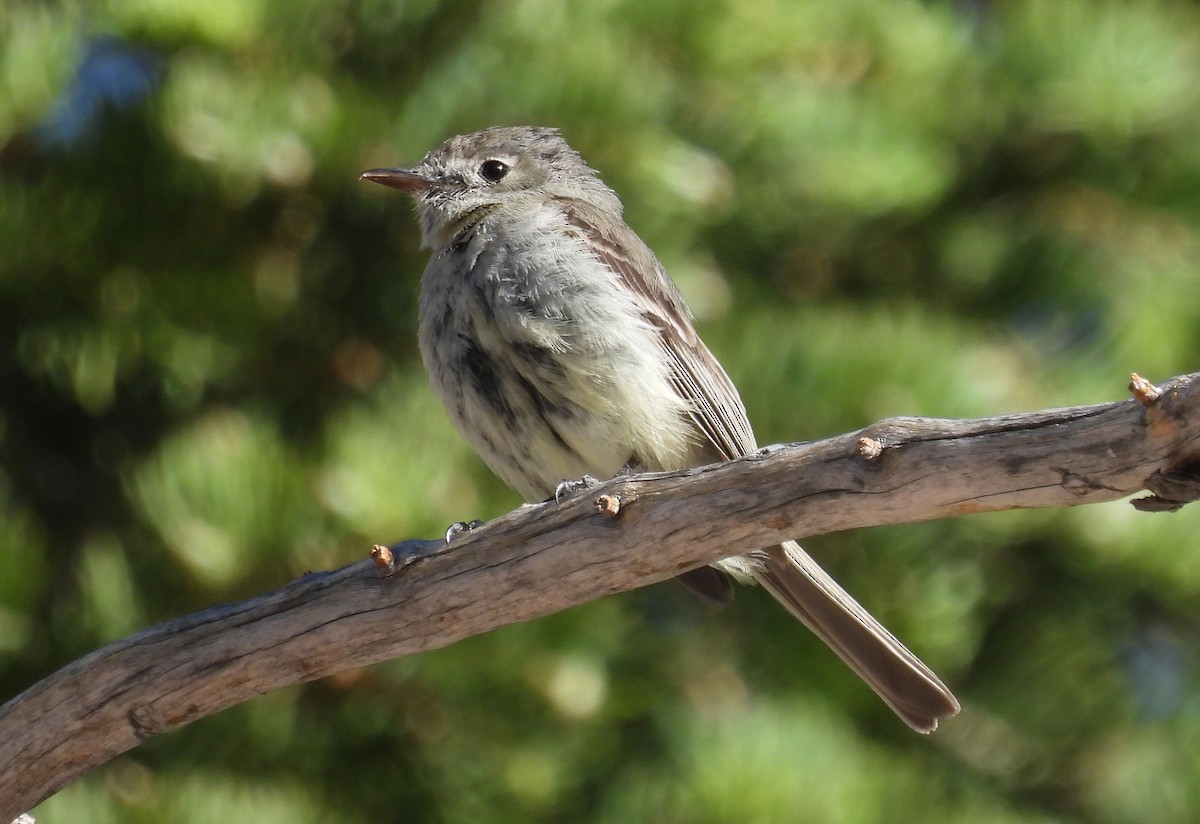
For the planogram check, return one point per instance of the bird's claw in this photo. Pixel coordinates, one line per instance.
(568, 488)
(461, 528)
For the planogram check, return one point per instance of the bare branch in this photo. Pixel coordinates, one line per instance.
(545, 558)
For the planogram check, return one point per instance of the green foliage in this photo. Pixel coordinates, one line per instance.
(876, 207)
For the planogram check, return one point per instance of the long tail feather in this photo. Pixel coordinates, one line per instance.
(900, 678)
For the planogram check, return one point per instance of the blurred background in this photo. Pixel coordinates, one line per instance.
(209, 385)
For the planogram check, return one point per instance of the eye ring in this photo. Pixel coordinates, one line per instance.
(493, 171)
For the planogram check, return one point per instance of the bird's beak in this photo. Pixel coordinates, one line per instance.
(406, 180)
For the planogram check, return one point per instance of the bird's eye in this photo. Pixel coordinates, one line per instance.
(493, 170)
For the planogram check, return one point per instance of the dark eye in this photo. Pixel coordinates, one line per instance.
(493, 170)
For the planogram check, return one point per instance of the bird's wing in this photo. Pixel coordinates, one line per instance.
(696, 374)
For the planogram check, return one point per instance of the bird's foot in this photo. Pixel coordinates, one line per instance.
(461, 528)
(568, 488)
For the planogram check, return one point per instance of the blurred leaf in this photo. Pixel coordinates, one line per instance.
(222, 492)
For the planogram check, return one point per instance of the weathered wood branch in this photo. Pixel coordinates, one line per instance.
(624, 534)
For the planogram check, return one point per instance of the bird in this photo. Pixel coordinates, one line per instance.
(562, 349)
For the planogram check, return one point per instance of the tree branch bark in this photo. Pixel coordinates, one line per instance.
(544, 558)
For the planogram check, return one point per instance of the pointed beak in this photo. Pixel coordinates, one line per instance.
(406, 180)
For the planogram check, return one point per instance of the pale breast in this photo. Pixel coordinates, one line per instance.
(545, 363)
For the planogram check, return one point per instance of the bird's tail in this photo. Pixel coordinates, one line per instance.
(907, 686)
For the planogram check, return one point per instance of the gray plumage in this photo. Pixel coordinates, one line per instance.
(561, 348)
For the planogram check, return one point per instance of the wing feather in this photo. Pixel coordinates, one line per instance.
(696, 375)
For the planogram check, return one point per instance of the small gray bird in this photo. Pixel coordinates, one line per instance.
(562, 349)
